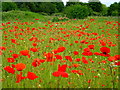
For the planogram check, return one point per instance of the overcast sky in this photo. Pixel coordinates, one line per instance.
(107, 2)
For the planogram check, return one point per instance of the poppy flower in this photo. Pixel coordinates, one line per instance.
(76, 52)
(91, 46)
(117, 57)
(74, 71)
(11, 60)
(76, 41)
(96, 53)
(1, 52)
(15, 55)
(69, 58)
(31, 76)
(2, 48)
(77, 59)
(105, 51)
(117, 63)
(61, 49)
(34, 49)
(61, 71)
(20, 66)
(84, 60)
(19, 77)
(37, 62)
(24, 52)
(87, 53)
(111, 58)
(13, 40)
(58, 57)
(9, 69)
(49, 57)
(34, 44)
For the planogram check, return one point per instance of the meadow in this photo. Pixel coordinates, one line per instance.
(76, 53)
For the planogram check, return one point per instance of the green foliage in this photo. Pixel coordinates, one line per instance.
(59, 6)
(12, 15)
(113, 9)
(96, 6)
(7, 6)
(47, 7)
(104, 10)
(115, 13)
(77, 11)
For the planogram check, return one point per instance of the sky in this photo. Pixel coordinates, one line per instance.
(107, 2)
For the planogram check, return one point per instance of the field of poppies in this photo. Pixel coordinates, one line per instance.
(70, 54)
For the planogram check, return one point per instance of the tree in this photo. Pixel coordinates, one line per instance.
(96, 6)
(114, 8)
(76, 11)
(47, 7)
(59, 6)
(104, 10)
(72, 2)
(7, 6)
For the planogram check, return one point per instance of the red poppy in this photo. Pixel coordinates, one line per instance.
(19, 77)
(20, 66)
(13, 40)
(31, 76)
(102, 43)
(91, 46)
(37, 62)
(34, 49)
(76, 41)
(76, 52)
(61, 49)
(61, 71)
(49, 57)
(117, 57)
(58, 57)
(84, 60)
(24, 52)
(87, 53)
(15, 55)
(69, 58)
(117, 63)
(1, 52)
(77, 59)
(34, 44)
(2, 48)
(74, 71)
(105, 51)
(11, 60)
(96, 53)
(9, 69)
(111, 58)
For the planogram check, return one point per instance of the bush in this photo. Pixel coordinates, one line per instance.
(77, 11)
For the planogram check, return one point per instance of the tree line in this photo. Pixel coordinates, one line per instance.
(91, 8)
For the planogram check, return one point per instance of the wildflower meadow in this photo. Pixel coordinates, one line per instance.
(68, 54)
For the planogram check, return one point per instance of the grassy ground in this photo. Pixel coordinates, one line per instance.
(99, 72)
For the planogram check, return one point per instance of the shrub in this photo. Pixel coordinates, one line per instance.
(77, 11)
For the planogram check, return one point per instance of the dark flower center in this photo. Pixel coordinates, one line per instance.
(104, 53)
